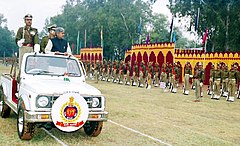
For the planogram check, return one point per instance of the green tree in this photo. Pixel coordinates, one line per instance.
(7, 43)
(220, 17)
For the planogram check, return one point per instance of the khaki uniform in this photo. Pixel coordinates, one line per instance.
(128, 79)
(187, 74)
(156, 76)
(233, 79)
(135, 74)
(44, 43)
(31, 38)
(96, 71)
(224, 79)
(211, 80)
(121, 72)
(217, 81)
(199, 78)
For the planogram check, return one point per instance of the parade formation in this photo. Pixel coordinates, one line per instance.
(161, 65)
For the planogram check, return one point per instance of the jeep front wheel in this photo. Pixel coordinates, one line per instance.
(25, 130)
(4, 108)
(93, 128)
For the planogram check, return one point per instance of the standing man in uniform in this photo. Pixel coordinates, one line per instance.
(156, 76)
(217, 82)
(233, 80)
(187, 74)
(224, 79)
(51, 31)
(27, 38)
(211, 80)
(199, 78)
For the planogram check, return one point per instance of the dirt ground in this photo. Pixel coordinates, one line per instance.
(171, 118)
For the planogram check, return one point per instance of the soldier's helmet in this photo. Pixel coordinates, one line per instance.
(28, 16)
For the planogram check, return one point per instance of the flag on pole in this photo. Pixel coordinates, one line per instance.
(174, 39)
(171, 29)
(205, 36)
(101, 36)
(148, 39)
(197, 19)
(78, 40)
(85, 38)
(140, 26)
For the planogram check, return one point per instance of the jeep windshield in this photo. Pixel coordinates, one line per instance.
(50, 65)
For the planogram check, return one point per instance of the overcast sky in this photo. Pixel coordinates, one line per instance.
(15, 10)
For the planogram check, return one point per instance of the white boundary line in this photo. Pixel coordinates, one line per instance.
(58, 140)
(138, 132)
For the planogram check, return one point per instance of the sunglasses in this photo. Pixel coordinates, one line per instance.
(28, 19)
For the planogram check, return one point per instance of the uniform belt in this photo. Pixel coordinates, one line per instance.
(28, 45)
(232, 79)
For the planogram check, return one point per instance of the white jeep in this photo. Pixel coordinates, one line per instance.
(51, 91)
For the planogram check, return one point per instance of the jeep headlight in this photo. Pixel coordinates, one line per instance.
(42, 101)
(95, 102)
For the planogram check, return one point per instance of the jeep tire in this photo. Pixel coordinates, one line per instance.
(4, 108)
(25, 130)
(93, 128)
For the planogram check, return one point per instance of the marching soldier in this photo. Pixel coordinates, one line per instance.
(156, 76)
(163, 77)
(224, 80)
(27, 38)
(142, 75)
(150, 74)
(199, 78)
(217, 82)
(128, 70)
(187, 74)
(174, 76)
(211, 80)
(233, 79)
(88, 68)
(96, 71)
(114, 72)
(195, 71)
(169, 74)
(135, 74)
(121, 72)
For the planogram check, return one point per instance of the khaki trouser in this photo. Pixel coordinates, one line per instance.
(121, 76)
(232, 87)
(149, 79)
(225, 82)
(96, 74)
(163, 77)
(22, 51)
(174, 82)
(197, 89)
(128, 77)
(211, 84)
(186, 82)
(141, 81)
(156, 79)
(217, 87)
(134, 77)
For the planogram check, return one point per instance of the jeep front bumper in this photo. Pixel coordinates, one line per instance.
(33, 116)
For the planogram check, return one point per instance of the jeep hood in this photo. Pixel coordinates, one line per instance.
(59, 87)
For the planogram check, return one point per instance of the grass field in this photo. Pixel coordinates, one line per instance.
(171, 118)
